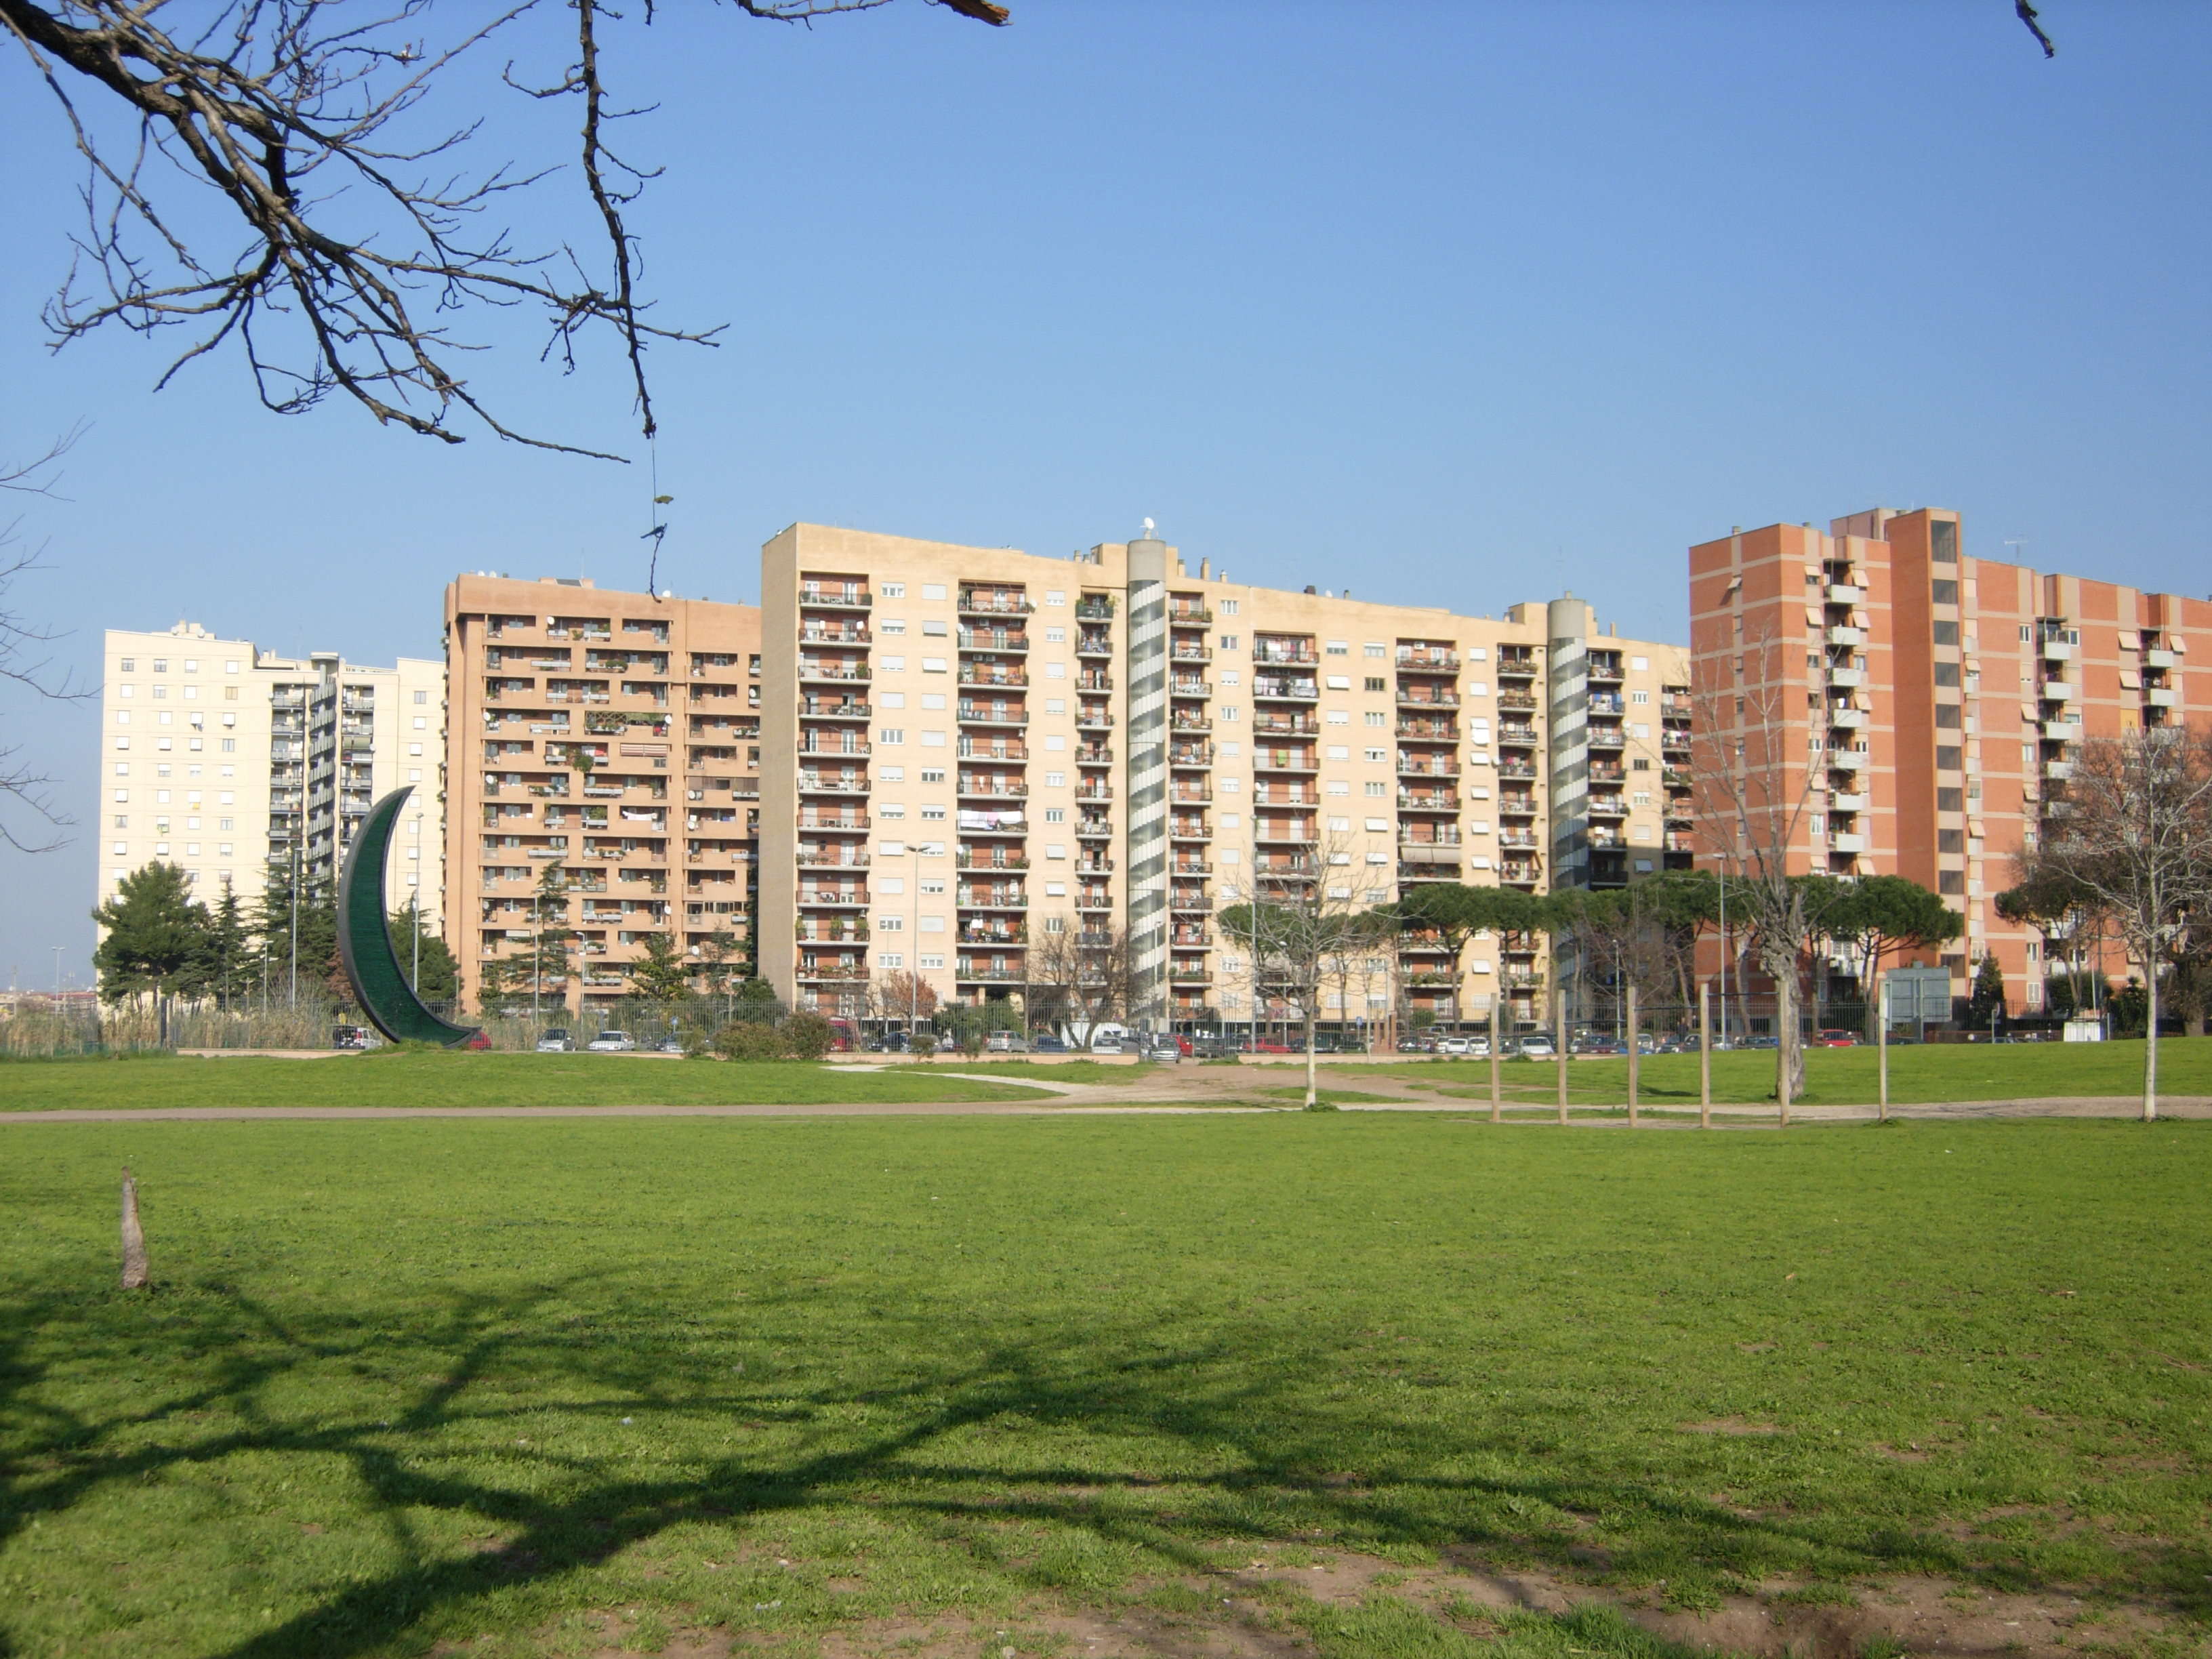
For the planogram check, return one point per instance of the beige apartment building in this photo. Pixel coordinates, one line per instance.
(975, 754)
(1907, 702)
(226, 760)
(614, 738)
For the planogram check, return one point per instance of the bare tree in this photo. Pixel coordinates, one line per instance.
(2132, 827)
(1754, 793)
(30, 822)
(899, 995)
(1308, 931)
(353, 230)
(1090, 972)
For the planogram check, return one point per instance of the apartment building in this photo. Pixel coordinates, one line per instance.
(227, 760)
(614, 738)
(1907, 702)
(991, 753)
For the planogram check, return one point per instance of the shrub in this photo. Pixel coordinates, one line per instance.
(808, 1036)
(750, 1039)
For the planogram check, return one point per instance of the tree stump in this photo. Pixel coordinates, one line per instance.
(135, 1276)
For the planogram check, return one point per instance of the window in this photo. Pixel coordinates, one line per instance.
(1943, 592)
(891, 665)
(1055, 815)
(161, 665)
(933, 590)
(1340, 826)
(891, 699)
(1339, 787)
(1058, 670)
(933, 884)
(932, 665)
(1948, 800)
(230, 695)
(892, 737)
(1376, 717)
(1947, 758)
(890, 924)
(1946, 715)
(1228, 607)
(1377, 789)
(420, 696)
(1340, 717)
(1376, 682)
(1947, 633)
(1639, 696)
(937, 629)
(1943, 541)
(1054, 849)
(933, 775)
(933, 961)
(1946, 673)
(1228, 641)
(1951, 881)
(889, 958)
(932, 812)
(229, 745)
(891, 625)
(1338, 648)
(893, 590)
(1056, 636)
(129, 664)
(1377, 753)
(1340, 682)
(1950, 841)
(1338, 751)
(1374, 648)
(1054, 596)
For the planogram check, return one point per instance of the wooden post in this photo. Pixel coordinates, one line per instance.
(135, 1276)
(1496, 1083)
(1704, 1057)
(1882, 1041)
(1633, 1055)
(1559, 1039)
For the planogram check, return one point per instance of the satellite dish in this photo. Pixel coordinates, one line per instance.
(1148, 528)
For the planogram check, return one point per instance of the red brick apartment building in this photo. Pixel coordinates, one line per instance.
(1917, 700)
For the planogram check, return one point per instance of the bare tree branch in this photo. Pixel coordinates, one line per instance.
(21, 641)
(357, 238)
(2028, 15)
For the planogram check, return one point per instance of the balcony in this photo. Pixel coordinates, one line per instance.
(2055, 651)
(1190, 899)
(992, 898)
(1092, 790)
(1841, 635)
(1096, 754)
(1516, 807)
(852, 747)
(825, 783)
(814, 598)
(817, 856)
(1845, 679)
(993, 639)
(1607, 806)
(841, 821)
(1093, 720)
(1848, 719)
(1188, 755)
(1284, 760)
(2057, 691)
(1089, 899)
(1182, 795)
(1094, 645)
(1094, 610)
(833, 898)
(1428, 801)
(2057, 770)
(1847, 842)
(1271, 689)
(2157, 657)
(1427, 766)
(1603, 665)
(1848, 760)
(1189, 651)
(992, 858)
(1189, 830)
(1190, 720)
(1092, 680)
(830, 673)
(1190, 685)
(1277, 724)
(2062, 731)
(1440, 697)
(984, 602)
(2160, 696)
(1185, 616)
(1094, 830)
(1428, 662)
(1840, 802)
(981, 713)
(1845, 593)
(1607, 737)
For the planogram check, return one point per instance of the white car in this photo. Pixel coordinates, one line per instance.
(1537, 1046)
(1006, 1042)
(1454, 1045)
(613, 1043)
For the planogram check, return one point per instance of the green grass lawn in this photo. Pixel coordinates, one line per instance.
(433, 1078)
(406, 1384)
(1845, 1076)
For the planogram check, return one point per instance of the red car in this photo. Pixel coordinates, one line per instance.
(479, 1040)
(1836, 1040)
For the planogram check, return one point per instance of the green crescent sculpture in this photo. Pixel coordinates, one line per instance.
(372, 967)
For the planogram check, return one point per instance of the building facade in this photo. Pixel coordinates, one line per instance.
(613, 739)
(1903, 704)
(231, 762)
(980, 760)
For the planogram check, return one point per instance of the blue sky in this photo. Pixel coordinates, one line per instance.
(1459, 302)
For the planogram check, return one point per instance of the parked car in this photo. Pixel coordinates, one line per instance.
(1044, 1042)
(478, 1038)
(1836, 1040)
(1537, 1046)
(555, 1042)
(1160, 1046)
(613, 1043)
(1596, 1048)
(669, 1045)
(1209, 1048)
(353, 1036)
(1006, 1043)
(1451, 1045)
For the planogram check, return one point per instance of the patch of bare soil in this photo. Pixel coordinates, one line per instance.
(1249, 1612)
(1730, 1426)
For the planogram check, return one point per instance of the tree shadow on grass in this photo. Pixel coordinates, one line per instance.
(1126, 1432)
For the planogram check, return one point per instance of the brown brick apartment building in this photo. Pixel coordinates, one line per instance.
(1916, 699)
(618, 736)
